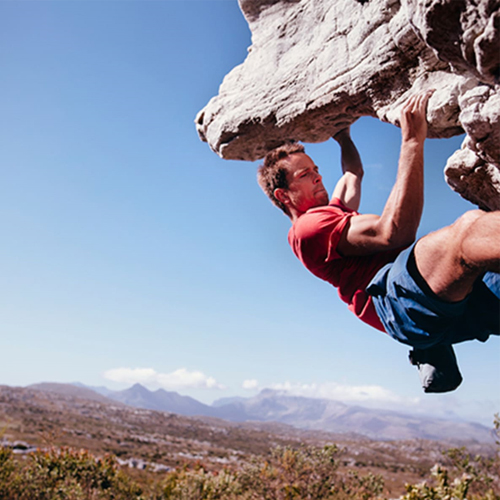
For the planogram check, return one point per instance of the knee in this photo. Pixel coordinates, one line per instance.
(477, 234)
(465, 221)
(472, 216)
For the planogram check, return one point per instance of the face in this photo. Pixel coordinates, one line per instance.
(305, 184)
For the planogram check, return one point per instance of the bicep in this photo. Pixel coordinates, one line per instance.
(363, 236)
(348, 190)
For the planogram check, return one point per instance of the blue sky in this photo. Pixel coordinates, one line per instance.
(132, 253)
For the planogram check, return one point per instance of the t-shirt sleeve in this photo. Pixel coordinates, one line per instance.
(319, 232)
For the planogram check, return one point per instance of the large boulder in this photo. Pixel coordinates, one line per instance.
(315, 66)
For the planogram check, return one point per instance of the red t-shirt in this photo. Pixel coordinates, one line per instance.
(314, 238)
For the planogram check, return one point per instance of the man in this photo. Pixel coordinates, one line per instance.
(442, 290)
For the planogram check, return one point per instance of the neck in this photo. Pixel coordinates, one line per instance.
(295, 214)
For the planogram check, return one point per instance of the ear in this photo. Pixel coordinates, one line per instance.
(282, 195)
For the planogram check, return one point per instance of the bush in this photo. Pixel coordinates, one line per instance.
(7, 468)
(305, 473)
(64, 475)
(309, 473)
(476, 478)
(200, 485)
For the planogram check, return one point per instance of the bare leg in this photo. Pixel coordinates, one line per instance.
(451, 259)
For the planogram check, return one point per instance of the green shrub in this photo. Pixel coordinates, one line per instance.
(7, 468)
(200, 485)
(476, 477)
(67, 475)
(307, 473)
(304, 473)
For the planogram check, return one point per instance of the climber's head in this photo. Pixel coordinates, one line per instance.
(291, 180)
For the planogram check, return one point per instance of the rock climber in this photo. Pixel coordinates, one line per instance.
(441, 290)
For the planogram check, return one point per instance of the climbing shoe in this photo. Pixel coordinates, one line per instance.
(437, 368)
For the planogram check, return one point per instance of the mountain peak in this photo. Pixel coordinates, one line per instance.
(138, 386)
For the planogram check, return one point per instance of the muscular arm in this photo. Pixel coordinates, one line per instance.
(348, 188)
(398, 224)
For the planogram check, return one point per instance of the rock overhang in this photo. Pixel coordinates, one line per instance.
(316, 66)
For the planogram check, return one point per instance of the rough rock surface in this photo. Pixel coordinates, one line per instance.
(316, 66)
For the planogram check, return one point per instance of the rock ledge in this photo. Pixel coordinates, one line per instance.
(315, 66)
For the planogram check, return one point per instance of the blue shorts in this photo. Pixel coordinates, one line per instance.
(412, 314)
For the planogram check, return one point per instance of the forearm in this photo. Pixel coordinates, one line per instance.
(348, 188)
(398, 224)
(401, 216)
(350, 159)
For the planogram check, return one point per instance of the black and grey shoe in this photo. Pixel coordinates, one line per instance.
(437, 368)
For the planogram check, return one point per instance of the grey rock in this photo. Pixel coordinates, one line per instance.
(316, 66)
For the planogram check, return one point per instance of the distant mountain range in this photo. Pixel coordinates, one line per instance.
(301, 412)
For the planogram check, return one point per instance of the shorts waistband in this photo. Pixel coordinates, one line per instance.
(411, 266)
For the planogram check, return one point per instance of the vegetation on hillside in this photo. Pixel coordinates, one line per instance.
(303, 473)
(59, 447)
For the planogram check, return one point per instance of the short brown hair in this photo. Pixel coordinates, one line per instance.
(272, 173)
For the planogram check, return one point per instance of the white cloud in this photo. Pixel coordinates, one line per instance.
(179, 379)
(448, 406)
(375, 396)
(250, 385)
(346, 393)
